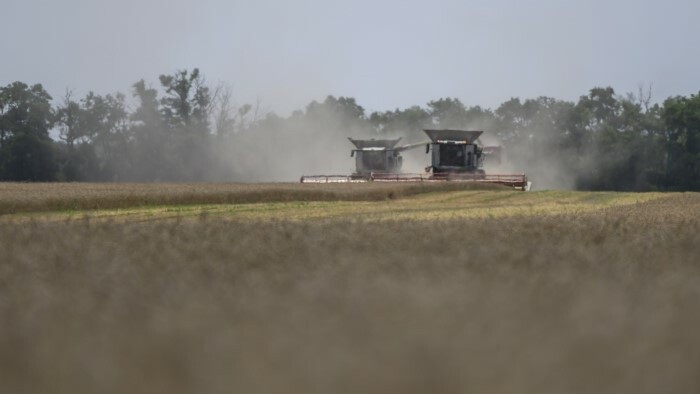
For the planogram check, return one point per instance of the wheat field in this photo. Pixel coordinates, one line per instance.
(41, 197)
(445, 291)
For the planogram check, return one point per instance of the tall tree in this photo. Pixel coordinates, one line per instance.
(186, 107)
(409, 122)
(448, 113)
(187, 103)
(26, 150)
(682, 119)
(69, 119)
(149, 158)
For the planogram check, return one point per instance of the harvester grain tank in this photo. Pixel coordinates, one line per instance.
(376, 156)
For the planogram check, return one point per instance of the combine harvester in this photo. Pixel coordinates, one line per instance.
(371, 157)
(456, 157)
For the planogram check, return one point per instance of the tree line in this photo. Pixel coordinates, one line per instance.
(187, 130)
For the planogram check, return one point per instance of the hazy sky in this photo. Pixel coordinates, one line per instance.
(386, 54)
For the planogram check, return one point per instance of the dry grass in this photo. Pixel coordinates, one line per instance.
(431, 204)
(604, 301)
(35, 197)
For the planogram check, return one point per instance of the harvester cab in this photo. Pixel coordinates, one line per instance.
(454, 151)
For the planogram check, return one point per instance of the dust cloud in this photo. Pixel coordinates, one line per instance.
(276, 151)
(282, 150)
(314, 141)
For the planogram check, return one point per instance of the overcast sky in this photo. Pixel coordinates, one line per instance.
(386, 54)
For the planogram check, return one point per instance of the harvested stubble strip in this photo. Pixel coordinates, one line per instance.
(43, 197)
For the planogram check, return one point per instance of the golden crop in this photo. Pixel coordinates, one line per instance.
(601, 297)
(34, 197)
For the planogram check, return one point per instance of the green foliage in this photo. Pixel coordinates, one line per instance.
(187, 101)
(408, 122)
(183, 131)
(681, 116)
(342, 115)
(97, 125)
(26, 151)
(27, 157)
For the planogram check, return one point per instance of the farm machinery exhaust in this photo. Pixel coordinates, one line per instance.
(456, 156)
